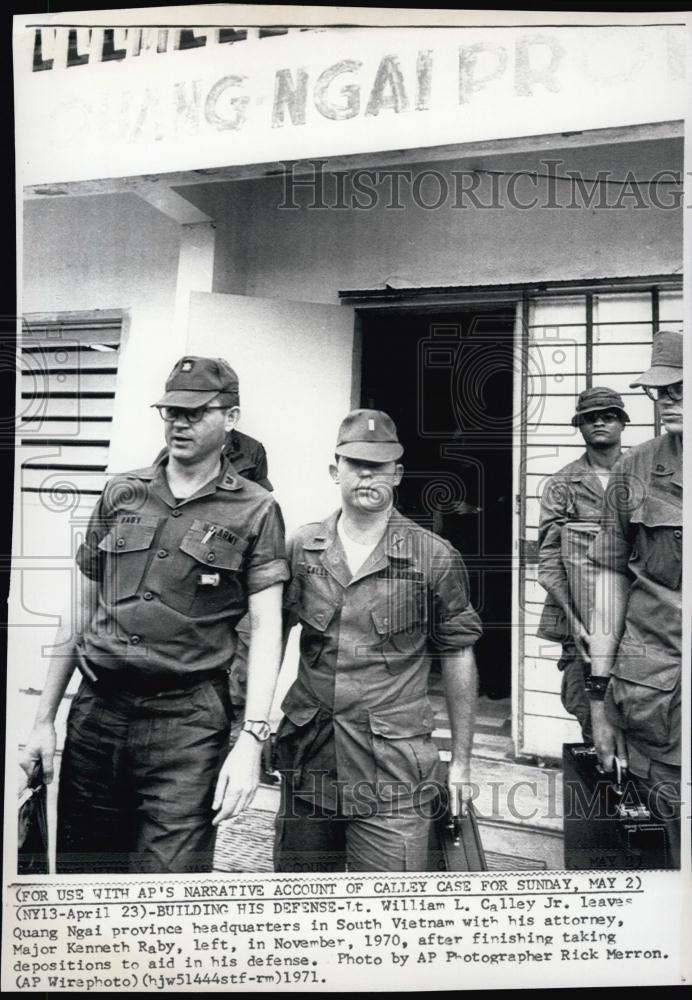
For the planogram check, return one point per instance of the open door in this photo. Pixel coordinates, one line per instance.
(425, 369)
(295, 362)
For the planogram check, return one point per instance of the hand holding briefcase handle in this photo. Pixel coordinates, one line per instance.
(32, 833)
(455, 842)
(607, 822)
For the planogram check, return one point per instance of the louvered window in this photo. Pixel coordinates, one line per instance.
(69, 371)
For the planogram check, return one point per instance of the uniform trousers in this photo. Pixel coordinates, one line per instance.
(137, 778)
(572, 693)
(310, 838)
(659, 787)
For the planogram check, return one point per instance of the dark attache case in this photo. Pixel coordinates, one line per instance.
(32, 837)
(455, 842)
(607, 825)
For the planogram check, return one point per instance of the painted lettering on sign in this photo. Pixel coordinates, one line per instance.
(56, 48)
(336, 99)
(126, 97)
(341, 91)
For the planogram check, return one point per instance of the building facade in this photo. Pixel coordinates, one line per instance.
(465, 227)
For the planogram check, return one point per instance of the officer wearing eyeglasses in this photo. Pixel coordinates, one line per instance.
(637, 638)
(173, 557)
(248, 457)
(571, 505)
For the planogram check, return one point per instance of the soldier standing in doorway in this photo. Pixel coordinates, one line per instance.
(376, 597)
(571, 509)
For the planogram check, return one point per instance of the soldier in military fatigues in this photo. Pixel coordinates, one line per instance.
(249, 459)
(173, 556)
(635, 687)
(375, 596)
(571, 507)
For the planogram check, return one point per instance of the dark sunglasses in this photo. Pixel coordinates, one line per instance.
(607, 416)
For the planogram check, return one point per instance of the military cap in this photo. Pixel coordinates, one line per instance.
(666, 360)
(369, 435)
(598, 398)
(195, 381)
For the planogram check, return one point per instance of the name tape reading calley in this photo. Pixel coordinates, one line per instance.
(135, 110)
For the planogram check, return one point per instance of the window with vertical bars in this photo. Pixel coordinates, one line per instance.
(68, 378)
(578, 341)
(574, 342)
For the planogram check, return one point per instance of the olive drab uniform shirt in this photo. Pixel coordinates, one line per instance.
(248, 457)
(358, 710)
(642, 537)
(175, 575)
(574, 496)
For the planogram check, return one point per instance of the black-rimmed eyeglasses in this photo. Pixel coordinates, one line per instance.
(672, 392)
(193, 416)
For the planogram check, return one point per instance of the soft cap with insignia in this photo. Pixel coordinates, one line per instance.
(369, 435)
(195, 381)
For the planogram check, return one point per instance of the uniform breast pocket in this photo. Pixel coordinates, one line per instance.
(207, 573)
(126, 548)
(315, 612)
(400, 619)
(659, 541)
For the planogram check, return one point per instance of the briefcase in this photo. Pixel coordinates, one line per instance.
(607, 825)
(455, 841)
(32, 834)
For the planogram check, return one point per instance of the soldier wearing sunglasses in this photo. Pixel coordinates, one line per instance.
(571, 505)
(173, 557)
(637, 639)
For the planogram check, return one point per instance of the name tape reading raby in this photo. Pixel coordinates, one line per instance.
(342, 932)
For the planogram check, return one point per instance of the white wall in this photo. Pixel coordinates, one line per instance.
(111, 252)
(294, 361)
(313, 253)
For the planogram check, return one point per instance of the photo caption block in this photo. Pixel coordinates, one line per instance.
(343, 932)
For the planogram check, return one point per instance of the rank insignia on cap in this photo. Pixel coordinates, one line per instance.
(186, 366)
(369, 435)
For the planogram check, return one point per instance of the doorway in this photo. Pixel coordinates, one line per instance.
(447, 380)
